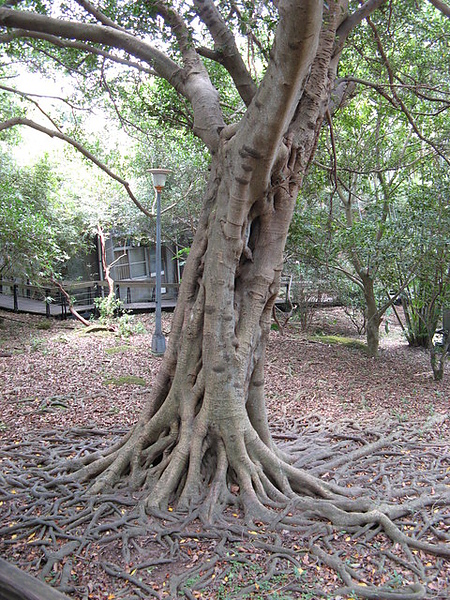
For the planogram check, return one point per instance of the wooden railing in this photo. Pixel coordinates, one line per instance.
(83, 293)
(135, 294)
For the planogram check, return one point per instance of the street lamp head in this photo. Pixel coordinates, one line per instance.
(159, 178)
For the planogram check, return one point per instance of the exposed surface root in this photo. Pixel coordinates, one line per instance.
(392, 542)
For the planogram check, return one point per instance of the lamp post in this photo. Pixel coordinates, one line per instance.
(158, 339)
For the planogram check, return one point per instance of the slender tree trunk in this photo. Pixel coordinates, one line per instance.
(373, 317)
(106, 267)
(72, 309)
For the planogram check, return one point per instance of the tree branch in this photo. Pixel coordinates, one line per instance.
(56, 41)
(416, 89)
(397, 98)
(125, 123)
(192, 81)
(442, 6)
(355, 19)
(209, 120)
(97, 34)
(30, 95)
(28, 123)
(226, 51)
(101, 18)
(36, 104)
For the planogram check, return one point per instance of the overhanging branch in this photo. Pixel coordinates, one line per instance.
(31, 24)
(442, 6)
(62, 136)
(58, 42)
(355, 19)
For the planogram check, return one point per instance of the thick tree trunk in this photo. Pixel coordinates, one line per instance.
(206, 426)
(204, 437)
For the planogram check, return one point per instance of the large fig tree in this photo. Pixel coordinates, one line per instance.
(203, 437)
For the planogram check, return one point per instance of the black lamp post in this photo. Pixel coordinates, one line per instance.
(158, 339)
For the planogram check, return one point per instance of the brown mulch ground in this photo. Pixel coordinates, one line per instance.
(53, 378)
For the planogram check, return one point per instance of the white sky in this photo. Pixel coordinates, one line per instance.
(34, 142)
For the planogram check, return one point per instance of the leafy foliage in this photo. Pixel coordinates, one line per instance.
(366, 211)
(28, 243)
(428, 215)
(112, 314)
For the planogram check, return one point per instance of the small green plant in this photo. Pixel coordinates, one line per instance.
(37, 345)
(400, 416)
(44, 325)
(190, 582)
(127, 326)
(109, 308)
(182, 254)
(112, 313)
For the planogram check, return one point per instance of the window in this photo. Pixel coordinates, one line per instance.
(132, 263)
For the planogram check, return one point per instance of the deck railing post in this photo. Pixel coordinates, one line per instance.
(16, 297)
(63, 308)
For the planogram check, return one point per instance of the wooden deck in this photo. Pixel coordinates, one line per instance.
(39, 307)
(32, 299)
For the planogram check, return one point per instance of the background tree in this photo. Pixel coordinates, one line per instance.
(37, 234)
(373, 151)
(427, 295)
(350, 225)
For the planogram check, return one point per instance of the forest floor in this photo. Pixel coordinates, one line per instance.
(59, 385)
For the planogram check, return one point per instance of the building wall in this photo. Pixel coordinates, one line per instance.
(134, 270)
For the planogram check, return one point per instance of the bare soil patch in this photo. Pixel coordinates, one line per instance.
(63, 392)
